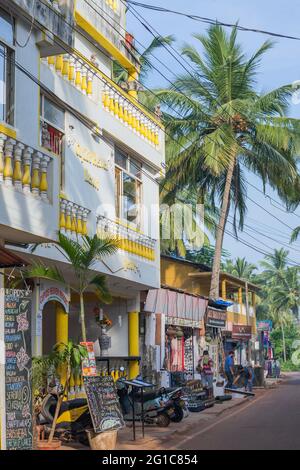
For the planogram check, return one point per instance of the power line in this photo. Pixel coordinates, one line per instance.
(148, 27)
(212, 21)
(147, 173)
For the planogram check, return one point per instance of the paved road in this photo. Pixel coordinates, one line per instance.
(270, 422)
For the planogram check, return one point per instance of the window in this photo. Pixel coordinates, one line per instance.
(128, 187)
(6, 69)
(52, 126)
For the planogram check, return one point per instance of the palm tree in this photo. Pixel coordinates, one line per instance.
(225, 123)
(82, 255)
(240, 268)
(275, 267)
(121, 76)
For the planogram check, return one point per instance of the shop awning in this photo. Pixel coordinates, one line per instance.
(179, 308)
(8, 259)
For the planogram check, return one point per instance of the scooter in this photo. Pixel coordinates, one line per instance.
(73, 419)
(160, 407)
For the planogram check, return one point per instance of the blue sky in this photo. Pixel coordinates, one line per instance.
(281, 65)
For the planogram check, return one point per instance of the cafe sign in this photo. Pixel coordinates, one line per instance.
(54, 292)
(215, 318)
(241, 332)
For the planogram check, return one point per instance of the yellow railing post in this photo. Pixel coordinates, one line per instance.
(224, 293)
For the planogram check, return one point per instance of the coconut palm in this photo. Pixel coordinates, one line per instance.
(82, 255)
(121, 76)
(274, 267)
(224, 126)
(240, 268)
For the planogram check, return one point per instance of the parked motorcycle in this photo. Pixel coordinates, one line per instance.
(73, 419)
(160, 407)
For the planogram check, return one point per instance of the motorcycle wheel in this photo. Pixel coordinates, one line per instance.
(178, 415)
(163, 420)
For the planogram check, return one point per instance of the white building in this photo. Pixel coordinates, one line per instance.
(78, 154)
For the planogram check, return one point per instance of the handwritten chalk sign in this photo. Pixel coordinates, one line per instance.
(103, 403)
(17, 334)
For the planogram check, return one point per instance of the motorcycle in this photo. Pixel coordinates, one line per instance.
(73, 419)
(160, 407)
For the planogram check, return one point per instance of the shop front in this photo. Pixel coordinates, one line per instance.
(215, 324)
(175, 329)
(238, 339)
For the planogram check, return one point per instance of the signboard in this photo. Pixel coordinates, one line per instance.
(89, 363)
(51, 292)
(241, 332)
(18, 393)
(216, 318)
(103, 403)
(264, 325)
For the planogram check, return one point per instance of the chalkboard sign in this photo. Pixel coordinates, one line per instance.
(103, 403)
(17, 334)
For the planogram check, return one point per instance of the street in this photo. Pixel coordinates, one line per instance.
(270, 422)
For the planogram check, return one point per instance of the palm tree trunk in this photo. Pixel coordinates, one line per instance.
(82, 317)
(283, 341)
(215, 275)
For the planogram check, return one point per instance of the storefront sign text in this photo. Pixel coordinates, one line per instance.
(241, 332)
(216, 318)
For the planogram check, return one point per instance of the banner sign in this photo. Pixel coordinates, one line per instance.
(216, 318)
(241, 332)
(89, 363)
(264, 325)
(18, 389)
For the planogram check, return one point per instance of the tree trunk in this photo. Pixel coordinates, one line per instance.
(82, 317)
(215, 275)
(283, 342)
(59, 403)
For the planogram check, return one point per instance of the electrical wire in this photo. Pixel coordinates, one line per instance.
(155, 180)
(212, 21)
(148, 27)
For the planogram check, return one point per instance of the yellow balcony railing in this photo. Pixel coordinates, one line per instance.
(24, 169)
(91, 82)
(73, 218)
(129, 240)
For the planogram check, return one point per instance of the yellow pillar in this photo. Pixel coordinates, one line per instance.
(240, 298)
(62, 330)
(133, 343)
(224, 293)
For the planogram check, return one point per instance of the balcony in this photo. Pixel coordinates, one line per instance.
(27, 191)
(130, 241)
(73, 218)
(104, 21)
(115, 102)
(51, 138)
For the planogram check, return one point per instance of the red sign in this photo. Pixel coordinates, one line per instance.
(89, 363)
(241, 332)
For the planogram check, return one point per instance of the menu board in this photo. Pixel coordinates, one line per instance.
(103, 403)
(17, 331)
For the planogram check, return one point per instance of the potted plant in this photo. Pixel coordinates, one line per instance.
(67, 359)
(39, 375)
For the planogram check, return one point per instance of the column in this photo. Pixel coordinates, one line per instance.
(71, 75)
(62, 331)
(62, 219)
(44, 182)
(26, 180)
(17, 175)
(68, 218)
(8, 167)
(133, 342)
(35, 183)
(224, 293)
(3, 138)
(240, 299)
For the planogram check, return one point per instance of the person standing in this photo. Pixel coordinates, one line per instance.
(206, 368)
(229, 369)
(277, 368)
(249, 377)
